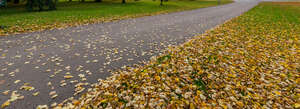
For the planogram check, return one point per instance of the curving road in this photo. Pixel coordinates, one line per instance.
(45, 67)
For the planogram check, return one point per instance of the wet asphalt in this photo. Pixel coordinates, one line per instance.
(84, 54)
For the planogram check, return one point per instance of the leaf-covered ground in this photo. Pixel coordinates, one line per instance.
(249, 62)
(50, 66)
(14, 20)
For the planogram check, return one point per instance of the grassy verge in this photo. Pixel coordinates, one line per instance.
(17, 20)
(251, 61)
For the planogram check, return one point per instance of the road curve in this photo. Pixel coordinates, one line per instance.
(54, 61)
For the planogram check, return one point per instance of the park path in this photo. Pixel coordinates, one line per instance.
(52, 62)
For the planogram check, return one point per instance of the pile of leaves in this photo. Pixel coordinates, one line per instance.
(251, 61)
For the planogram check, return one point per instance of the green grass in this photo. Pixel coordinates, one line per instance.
(16, 19)
(277, 12)
(272, 17)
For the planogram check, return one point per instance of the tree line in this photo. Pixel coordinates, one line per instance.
(42, 5)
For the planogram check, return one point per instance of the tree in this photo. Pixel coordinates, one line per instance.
(98, 0)
(16, 1)
(31, 4)
(161, 2)
(51, 4)
(3, 3)
(123, 1)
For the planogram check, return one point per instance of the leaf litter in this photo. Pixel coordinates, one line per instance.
(240, 64)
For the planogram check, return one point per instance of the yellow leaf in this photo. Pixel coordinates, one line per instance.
(36, 93)
(277, 93)
(5, 104)
(68, 76)
(76, 102)
(199, 92)
(192, 106)
(27, 88)
(283, 75)
(241, 104)
(297, 105)
(103, 101)
(298, 80)
(157, 78)
(232, 75)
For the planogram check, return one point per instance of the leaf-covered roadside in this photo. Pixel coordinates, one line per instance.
(24, 27)
(14, 20)
(249, 62)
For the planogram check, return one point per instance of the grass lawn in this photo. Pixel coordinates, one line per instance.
(17, 20)
(251, 61)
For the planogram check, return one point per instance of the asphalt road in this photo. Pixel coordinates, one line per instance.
(47, 64)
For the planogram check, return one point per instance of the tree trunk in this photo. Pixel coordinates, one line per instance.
(98, 0)
(29, 5)
(123, 1)
(70, 0)
(40, 5)
(16, 1)
(161, 2)
(52, 4)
